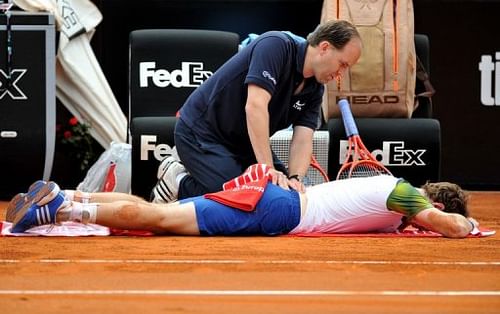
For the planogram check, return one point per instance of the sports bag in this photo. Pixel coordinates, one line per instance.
(382, 83)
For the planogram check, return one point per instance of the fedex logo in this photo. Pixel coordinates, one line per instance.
(489, 70)
(160, 151)
(191, 74)
(12, 89)
(391, 154)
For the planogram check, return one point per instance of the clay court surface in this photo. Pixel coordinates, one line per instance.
(254, 274)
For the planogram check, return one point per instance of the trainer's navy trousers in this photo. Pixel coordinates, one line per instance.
(209, 163)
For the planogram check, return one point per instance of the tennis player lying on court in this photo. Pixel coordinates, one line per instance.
(358, 205)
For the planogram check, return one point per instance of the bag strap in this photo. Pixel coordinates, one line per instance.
(423, 76)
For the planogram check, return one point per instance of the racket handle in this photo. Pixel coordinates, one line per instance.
(349, 124)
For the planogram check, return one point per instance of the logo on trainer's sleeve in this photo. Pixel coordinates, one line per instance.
(298, 105)
(268, 76)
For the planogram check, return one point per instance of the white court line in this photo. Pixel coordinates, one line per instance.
(255, 292)
(215, 261)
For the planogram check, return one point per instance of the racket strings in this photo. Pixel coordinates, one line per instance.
(361, 170)
(359, 162)
(317, 167)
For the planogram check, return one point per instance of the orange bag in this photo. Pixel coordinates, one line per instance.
(382, 83)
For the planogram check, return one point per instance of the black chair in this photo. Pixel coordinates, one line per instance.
(409, 148)
(166, 65)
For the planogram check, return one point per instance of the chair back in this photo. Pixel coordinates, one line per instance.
(166, 65)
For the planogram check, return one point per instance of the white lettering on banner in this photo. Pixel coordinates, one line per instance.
(191, 74)
(12, 90)
(391, 154)
(487, 69)
(160, 151)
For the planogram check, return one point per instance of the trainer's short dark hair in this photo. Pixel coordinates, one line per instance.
(450, 195)
(336, 32)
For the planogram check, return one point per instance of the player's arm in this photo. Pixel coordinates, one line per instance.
(448, 224)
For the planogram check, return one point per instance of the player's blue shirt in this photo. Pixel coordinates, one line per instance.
(273, 61)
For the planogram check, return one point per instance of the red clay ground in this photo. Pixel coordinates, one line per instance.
(254, 274)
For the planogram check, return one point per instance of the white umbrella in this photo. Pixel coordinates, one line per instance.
(80, 82)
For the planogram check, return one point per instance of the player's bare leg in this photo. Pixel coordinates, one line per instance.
(101, 197)
(135, 215)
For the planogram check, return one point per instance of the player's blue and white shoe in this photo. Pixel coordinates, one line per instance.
(40, 193)
(36, 215)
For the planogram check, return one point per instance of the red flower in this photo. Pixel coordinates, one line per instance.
(67, 134)
(73, 121)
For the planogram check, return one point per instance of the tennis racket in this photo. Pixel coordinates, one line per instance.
(359, 162)
(317, 171)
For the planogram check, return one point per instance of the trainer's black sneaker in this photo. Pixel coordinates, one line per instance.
(167, 189)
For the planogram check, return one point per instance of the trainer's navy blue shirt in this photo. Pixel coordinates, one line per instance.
(273, 61)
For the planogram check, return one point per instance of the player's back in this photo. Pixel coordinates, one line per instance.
(350, 206)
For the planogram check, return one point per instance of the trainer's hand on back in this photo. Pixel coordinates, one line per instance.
(279, 178)
(296, 185)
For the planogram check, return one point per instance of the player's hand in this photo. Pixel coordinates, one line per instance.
(474, 222)
(279, 178)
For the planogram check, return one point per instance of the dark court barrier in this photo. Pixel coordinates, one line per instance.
(152, 141)
(166, 65)
(27, 100)
(465, 71)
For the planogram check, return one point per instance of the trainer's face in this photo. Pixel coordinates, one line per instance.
(332, 62)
